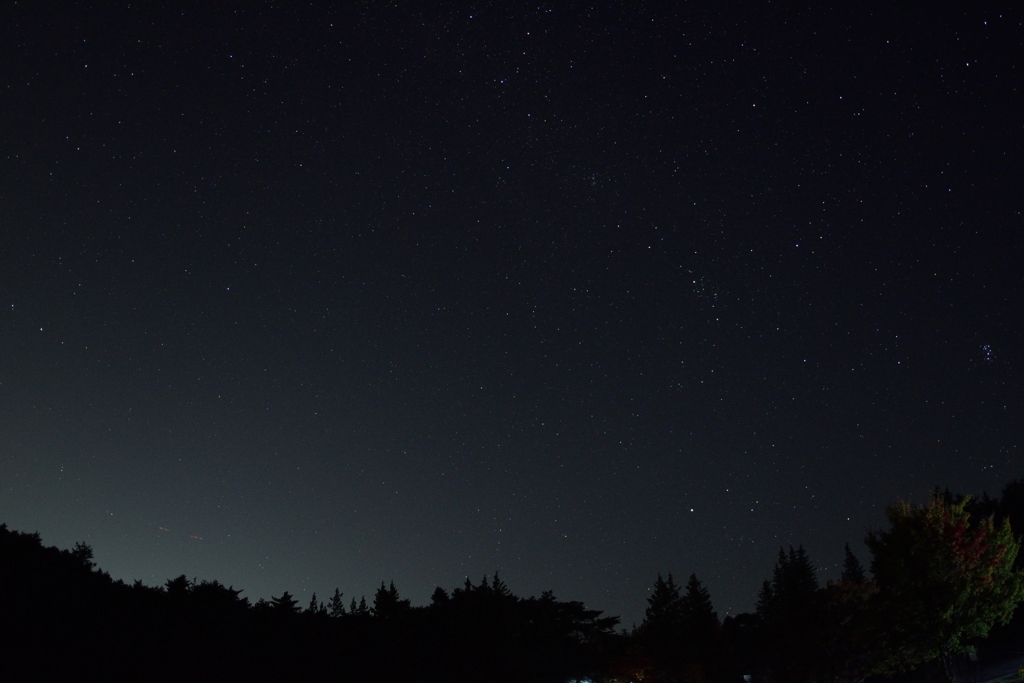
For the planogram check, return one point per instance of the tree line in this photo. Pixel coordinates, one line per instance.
(942, 576)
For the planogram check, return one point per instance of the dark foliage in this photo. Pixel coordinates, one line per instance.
(943, 574)
(853, 571)
(790, 614)
(680, 637)
(65, 620)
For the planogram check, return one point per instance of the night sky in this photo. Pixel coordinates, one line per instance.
(299, 298)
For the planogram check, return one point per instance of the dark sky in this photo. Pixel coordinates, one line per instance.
(296, 297)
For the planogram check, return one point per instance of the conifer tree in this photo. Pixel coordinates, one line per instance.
(82, 554)
(498, 587)
(800, 580)
(664, 608)
(362, 609)
(336, 608)
(285, 604)
(439, 596)
(178, 588)
(697, 613)
(853, 572)
(792, 586)
(765, 600)
(387, 603)
(701, 630)
(661, 633)
(791, 635)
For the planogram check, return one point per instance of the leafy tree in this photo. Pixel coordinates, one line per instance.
(941, 582)
(844, 639)
(1011, 508)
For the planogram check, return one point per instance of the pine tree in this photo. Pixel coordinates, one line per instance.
(387, 604)
(439, 596)
(853, 572)
(664, 609)
(361, 609)
(765, 600)
(791, 638)
(285, 604)
(780, 575)
(793, 583)
(498, 587)
(178, 588)
(697, 613)
(82, 554)
(336, 607)
(801, 579)
(661, 633)
(701, 630)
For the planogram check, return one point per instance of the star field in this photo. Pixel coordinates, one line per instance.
(299, 297)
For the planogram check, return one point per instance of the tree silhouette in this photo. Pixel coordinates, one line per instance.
(336, 608)
(701, 630)
(387, 604)
(664, 611)
(697, 612)
(439, 597)
(765, 600)
(942, 578)
(661, 635)
(178, 588)
(853, 572)
(1011, 509)
(285, 604)
(843, 623)
(82, 555)
(792, 633)
(797, 580)
(361, 609)
(215, 596)
(314, 607)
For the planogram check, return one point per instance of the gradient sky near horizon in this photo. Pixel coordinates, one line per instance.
(299, 297)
